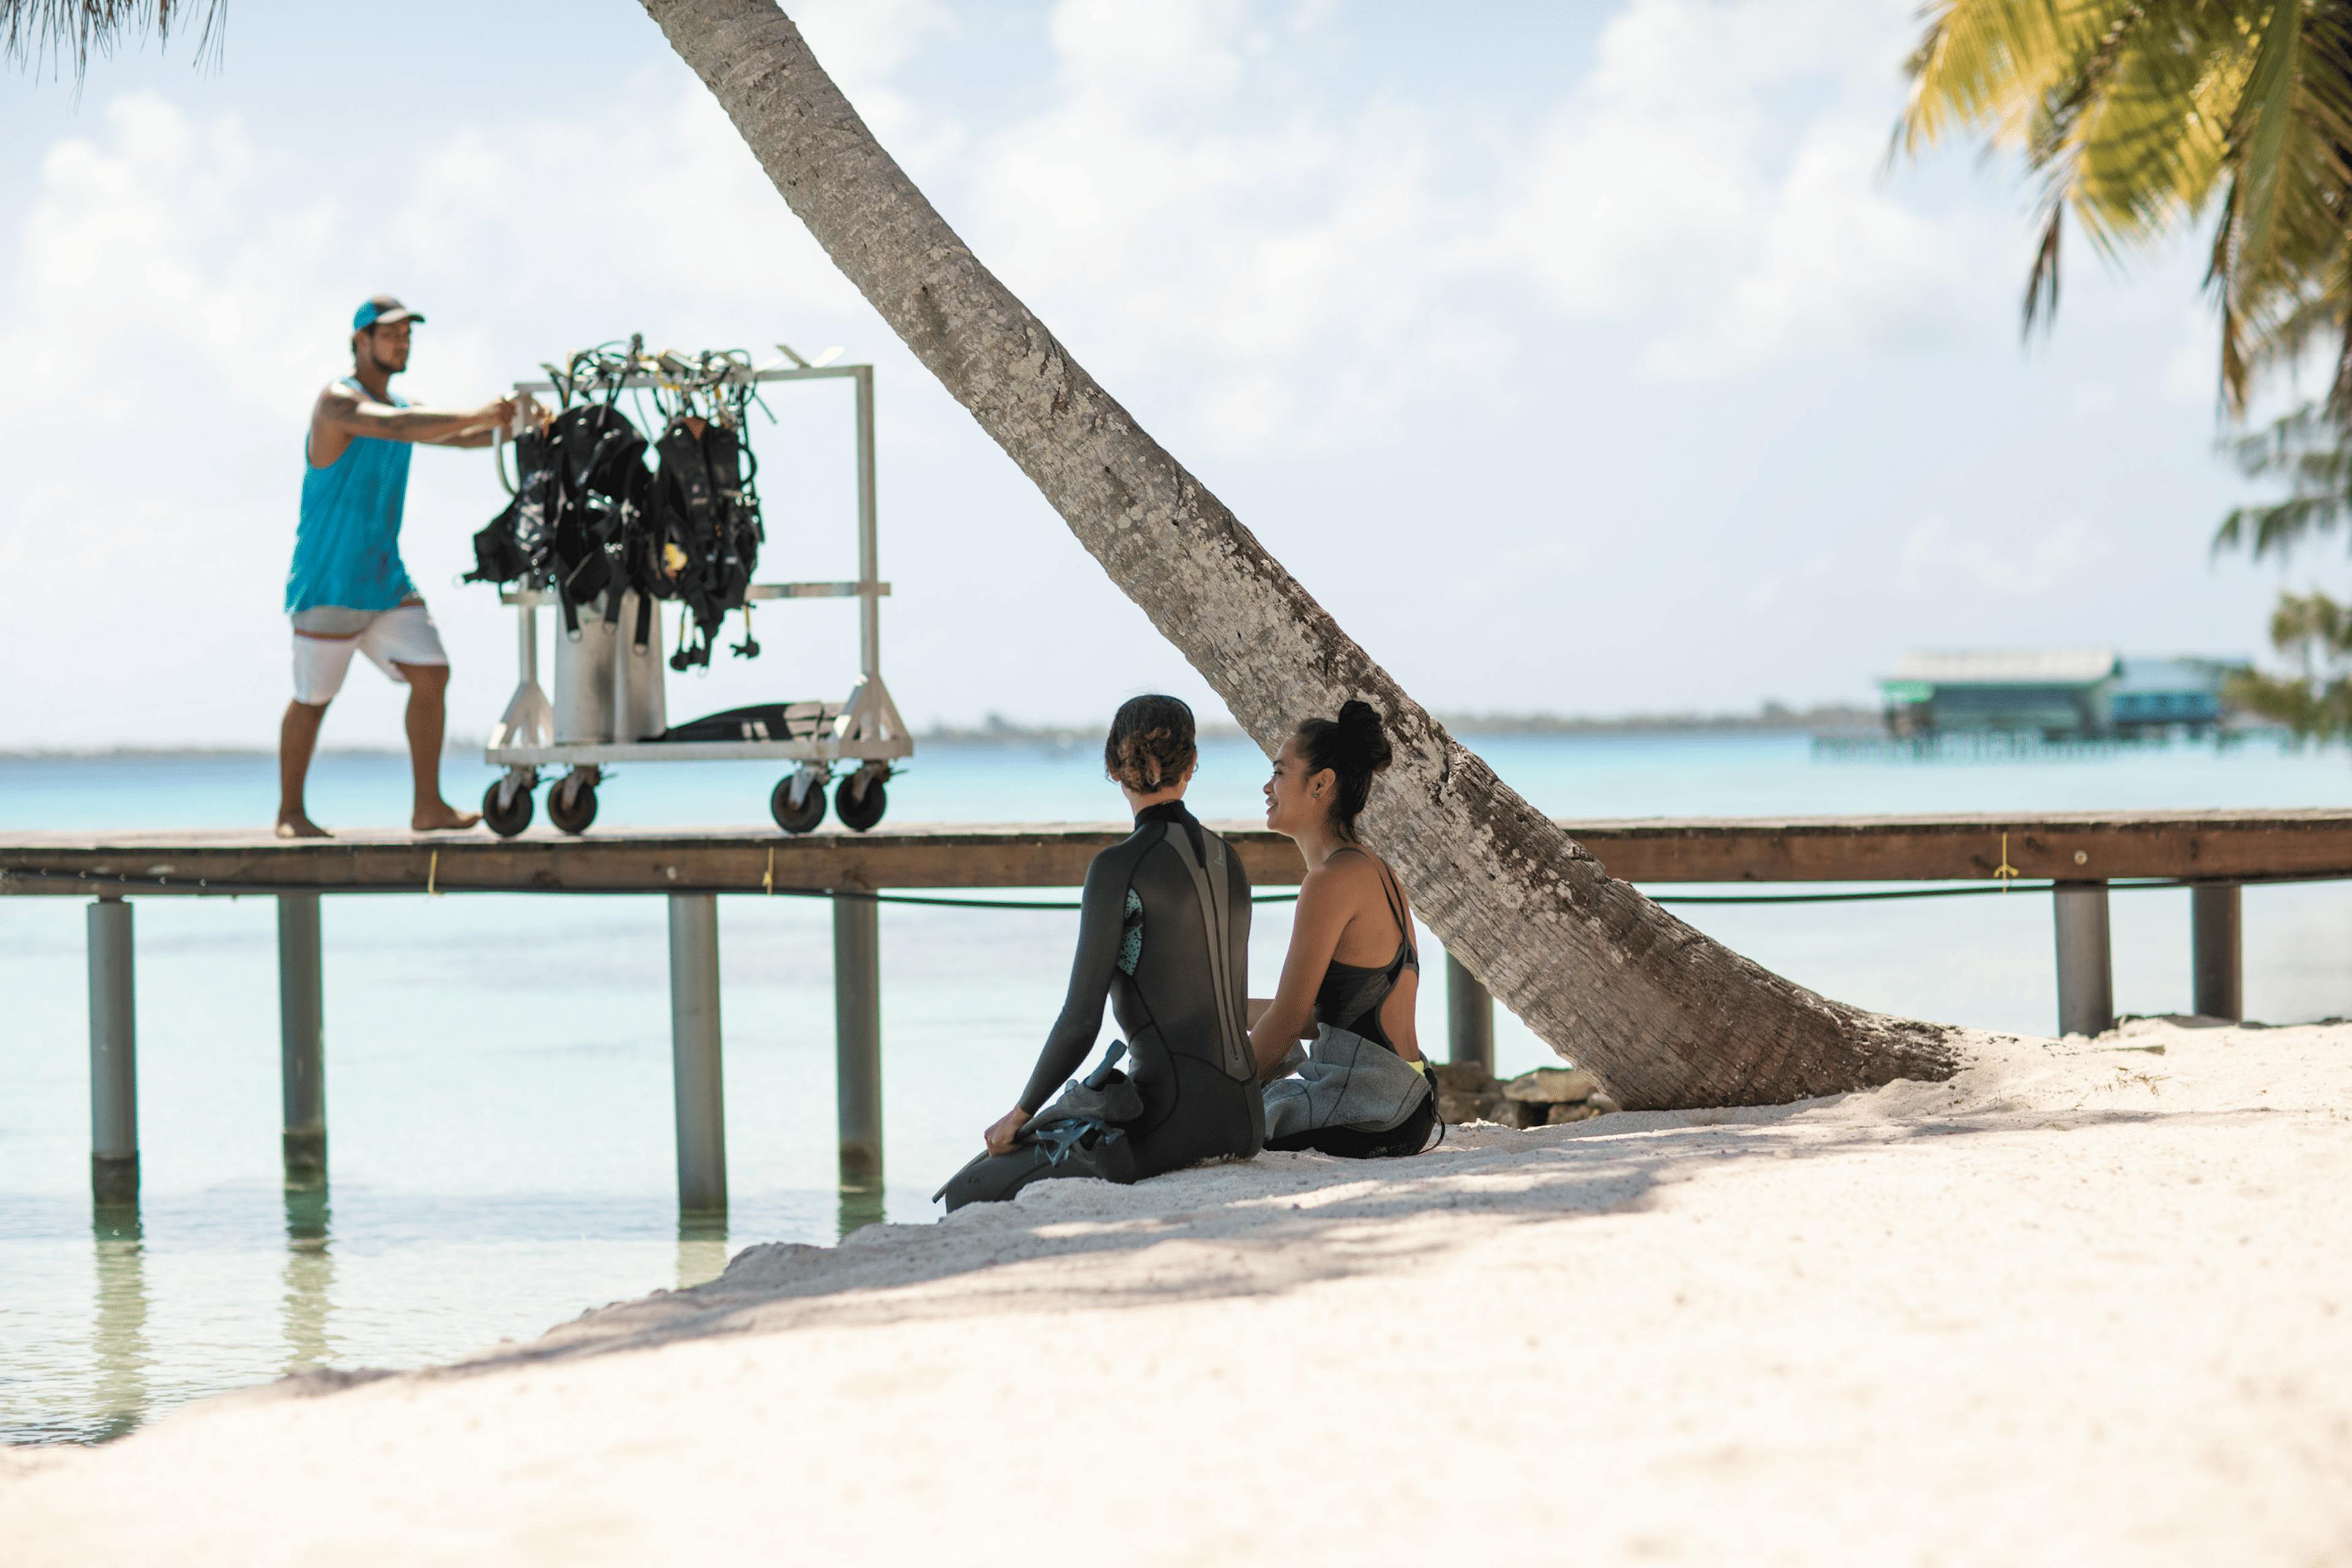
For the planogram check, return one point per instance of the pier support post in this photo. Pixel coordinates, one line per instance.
(2087, 981)
(2217, 951)
(1469, 1018)
(302, 1041)
(113, 1058)
(858, 1037)
(694, 1053)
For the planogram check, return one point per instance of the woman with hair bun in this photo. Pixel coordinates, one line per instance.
(1163, 935)
(1352, 975)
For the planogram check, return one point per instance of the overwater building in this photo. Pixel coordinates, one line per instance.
(2062, 693)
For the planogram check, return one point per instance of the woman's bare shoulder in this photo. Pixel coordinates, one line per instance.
(1349, 872)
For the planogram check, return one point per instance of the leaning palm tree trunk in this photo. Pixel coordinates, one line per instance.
(1663, 1015)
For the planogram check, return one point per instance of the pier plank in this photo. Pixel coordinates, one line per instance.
(2080, 846)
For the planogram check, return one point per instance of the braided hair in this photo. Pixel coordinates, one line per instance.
(1151, 744)
(1354, 747)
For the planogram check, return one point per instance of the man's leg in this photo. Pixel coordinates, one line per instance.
(298, 737)
(320, 660)
(429, 685)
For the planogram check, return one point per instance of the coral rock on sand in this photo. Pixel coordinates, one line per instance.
(1552, 1086)
(1548, 1096)
(1516, 1113)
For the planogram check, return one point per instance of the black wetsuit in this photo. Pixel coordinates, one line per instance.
(1351, 998)
(1143, 943)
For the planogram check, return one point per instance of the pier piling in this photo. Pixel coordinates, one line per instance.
(113, 1058)
(694, 1054)
(858, 1037)
(301, 1039)
(1469, 1018)
(2217, 951)
(2086, 978)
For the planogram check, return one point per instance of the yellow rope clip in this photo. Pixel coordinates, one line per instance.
(768, 882)
(433, 875)
(2004, 871)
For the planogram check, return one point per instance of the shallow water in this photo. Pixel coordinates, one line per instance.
(498, 1067)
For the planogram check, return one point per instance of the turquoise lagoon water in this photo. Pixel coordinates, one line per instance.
(498, 1067)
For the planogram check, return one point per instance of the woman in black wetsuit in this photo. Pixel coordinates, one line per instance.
(1352, 963)
(1164, 935)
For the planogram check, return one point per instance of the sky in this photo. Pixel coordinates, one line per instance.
(1582, 358)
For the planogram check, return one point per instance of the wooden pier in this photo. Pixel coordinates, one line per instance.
(2077, 855)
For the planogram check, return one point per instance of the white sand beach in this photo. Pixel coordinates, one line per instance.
(2090, 1302)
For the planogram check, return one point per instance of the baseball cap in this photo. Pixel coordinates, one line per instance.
(381, 311)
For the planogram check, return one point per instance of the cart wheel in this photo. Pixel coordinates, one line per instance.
(860, 808)
(801, 819)
(572, 805)
(510, 818)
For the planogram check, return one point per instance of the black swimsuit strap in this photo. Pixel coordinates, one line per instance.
(1405, 950)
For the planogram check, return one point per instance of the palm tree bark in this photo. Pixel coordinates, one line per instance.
(1663, 1015)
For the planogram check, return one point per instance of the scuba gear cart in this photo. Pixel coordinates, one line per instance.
(596, 534)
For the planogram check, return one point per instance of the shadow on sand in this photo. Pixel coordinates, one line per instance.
(1260, 1228)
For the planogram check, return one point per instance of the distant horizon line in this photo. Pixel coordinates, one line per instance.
(995, 730)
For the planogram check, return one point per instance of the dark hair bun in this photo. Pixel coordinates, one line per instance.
(1354, 747)
(1361, 732)
(1150, 743)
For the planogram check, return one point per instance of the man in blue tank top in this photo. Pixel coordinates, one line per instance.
(347, 591)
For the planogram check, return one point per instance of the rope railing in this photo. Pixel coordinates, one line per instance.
(200, 887)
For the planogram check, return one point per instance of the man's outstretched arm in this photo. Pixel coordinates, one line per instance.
(352, 413)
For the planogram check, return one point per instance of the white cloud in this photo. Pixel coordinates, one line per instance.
(1933, 553)
(1772, 585)
(1181, 206)
(1353, 286)
(2192, 375)
(2092, 398)
(1186, 206)
(1669, 190)
(147, 251)
(1135, 56)
(179, 294)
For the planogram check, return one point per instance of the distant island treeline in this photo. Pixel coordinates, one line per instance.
(1826, 719)
(1829, 717)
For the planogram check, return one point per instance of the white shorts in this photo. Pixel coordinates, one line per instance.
(326, 637)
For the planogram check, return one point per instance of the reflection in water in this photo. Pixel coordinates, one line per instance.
(310, 1278)
(119, 1343)
(701, 1248)
(861, 1205)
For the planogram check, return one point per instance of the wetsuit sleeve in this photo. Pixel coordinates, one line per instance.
(1102, 909)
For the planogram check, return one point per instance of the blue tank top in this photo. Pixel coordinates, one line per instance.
(347, 547)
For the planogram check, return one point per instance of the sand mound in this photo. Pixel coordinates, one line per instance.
(2088, 1301)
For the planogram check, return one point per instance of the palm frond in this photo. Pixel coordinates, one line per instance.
(2314, 632)
(1976, 61)
(2137, 117)
(2261, 140)
(2312, 626)
(33, 31)
(2308, 449)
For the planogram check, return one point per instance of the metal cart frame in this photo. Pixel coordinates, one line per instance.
(865, 729)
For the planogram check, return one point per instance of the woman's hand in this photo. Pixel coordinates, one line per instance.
(1001, 1134)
